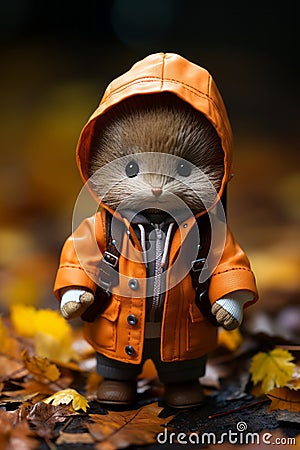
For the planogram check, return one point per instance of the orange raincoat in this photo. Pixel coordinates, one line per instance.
(185, 332)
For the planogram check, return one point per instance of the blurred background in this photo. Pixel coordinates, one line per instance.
(56, 60)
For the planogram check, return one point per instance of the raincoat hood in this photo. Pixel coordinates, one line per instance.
(157, 73)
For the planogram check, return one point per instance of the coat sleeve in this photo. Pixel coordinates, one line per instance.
(80, 256)
(232, 273)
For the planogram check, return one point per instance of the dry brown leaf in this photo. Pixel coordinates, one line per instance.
(284, 398)
(10, 345)
(9, 367)
(122, 429)
(35, 387)
(28, 389)
(10, 398)
(44, 417)
(41, 368)
(42, 413)
(15, 436)
(74, 438)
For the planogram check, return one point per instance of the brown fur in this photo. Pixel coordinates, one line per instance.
(163, 125)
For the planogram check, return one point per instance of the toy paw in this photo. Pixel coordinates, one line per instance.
(86, 298)
(224, 317)
(73, 309)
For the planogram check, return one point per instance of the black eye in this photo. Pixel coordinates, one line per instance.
(132, 169)
(184, 168)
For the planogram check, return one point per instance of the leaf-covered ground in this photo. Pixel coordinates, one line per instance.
(48, 400)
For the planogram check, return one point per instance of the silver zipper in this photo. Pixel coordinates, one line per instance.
(156, 298)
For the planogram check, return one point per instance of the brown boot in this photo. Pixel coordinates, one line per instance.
(114, 392)
(184, 395)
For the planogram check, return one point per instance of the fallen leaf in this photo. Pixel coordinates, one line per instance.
(51, 332)
(11, 398)
(67, 396)
(23, 319)
(273, 369)
(45, 417)
(30, 386)
(28, 321)
(40, 368)
(15, 436)
(50, 347)
(9, 367)
(9, 345)
(3, 333)
(74, 438)
(284, 398)
(42, 412)
(121, 429)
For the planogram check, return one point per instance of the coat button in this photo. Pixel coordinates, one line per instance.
(129, 350)
(132, 319)
(133, 284)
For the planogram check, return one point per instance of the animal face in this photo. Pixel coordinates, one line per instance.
(156, 152)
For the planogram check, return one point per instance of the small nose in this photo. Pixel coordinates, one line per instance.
(156, 191)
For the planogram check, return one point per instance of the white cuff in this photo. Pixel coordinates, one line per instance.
(234, 303)
(72, 295)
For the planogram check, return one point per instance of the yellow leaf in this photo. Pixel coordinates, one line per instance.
(3, 333)
(41, 368)
(67, 396)
(54, 349)
(273, 369)
(23, 319)
(28, 321)
(231, 340)
(52, 333)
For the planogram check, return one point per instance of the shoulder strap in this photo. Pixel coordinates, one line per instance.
(202, 299)
(109, 269)
(109, 264)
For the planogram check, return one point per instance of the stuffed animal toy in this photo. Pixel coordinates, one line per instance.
(156, 269)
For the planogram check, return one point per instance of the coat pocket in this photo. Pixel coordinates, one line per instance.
(194, 319)
(105, 326)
